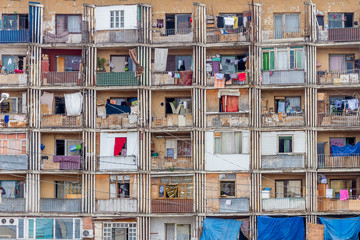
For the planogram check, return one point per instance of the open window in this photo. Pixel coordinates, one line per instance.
(13, 105)
(13, 189)
(13, 64)
(177, 148)
(288, 188)
(285, 144)
(288, 105)
(68, 63)
(119, 186)
(177, 231)
(178, 106)
(341, 142)
(227, 143)
(177, 23)
(120, 146)
(340, 20)
(179, 63)
(343, 184)
(15, 21)
(227, 185)
(174, 187)
(67, 147)
(121, 64)
(68, 23)
(65, 188)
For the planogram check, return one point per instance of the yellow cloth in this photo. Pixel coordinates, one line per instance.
(236, 22)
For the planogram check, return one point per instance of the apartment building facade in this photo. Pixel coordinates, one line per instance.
(150, 120)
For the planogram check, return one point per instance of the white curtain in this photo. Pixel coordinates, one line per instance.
(160, 59)
(337, 63)
(282, 60)
(293, 101)
(73, 104)
(226, 143)
(74, 24)
(292, 23)
(237, 143)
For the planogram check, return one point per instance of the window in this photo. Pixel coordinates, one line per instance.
(68, 63)
(228, 143)
(13, 64)
(340, 20)
(13, 144)
(288, 188)
(320, 21)
(119, 186)
(116, 19)
(176, 231)
(174, 187)
(59, 105)
(119, 231)
(120, 146)
(121, 64)
(286, 23)
(283, 59)
(175, 148)
(288, 105)
(13, 189)
(70, 23)
(67, 147)
(62, 188)
(227, 185)
(343, 184)
(50, 228)
(342, 141)
(15, 21)
(12, 105)
(177, 24)
(341, 63)
(179, 63)
(178, 106)
(285, 144)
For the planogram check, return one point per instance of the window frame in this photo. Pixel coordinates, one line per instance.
(67, 21)
(286, 186)
(273, 63)
(224, 178)
(113, 19)
(233, 143)
(175, 229)
(185, 184)
(76, 187)
(17, 21)
(117, 183)
(292, 143)
(108, 226)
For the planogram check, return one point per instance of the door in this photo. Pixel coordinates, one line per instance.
(170, 24)
(278, 27)
(118, 63)
(60, 64)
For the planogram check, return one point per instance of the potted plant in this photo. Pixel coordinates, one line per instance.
(100, 66)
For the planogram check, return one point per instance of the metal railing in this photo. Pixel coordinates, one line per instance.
(123, 205)
(283, 161)
(170, 78)
(62, 36)
(116, 79)
(283, 119)
(61, 121)
(15, 120)
(211, 79)
(61, 78)
(227, 205)
(170, 164)
(172, 120)
(333, 204)
(117, 163)
(170, 205)
(12, 205)
(338, 120)
(279, 204)
(227, 35)
(227, 119)
(172, 35)
(119, 36)
(118, 121)
(19, 79)
(296, 32)
(14, 36)
(60, 205)
(350, 34)
(338, 78)
(330, 161)
(283, 77)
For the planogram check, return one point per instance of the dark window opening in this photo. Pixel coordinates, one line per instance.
(60, 147)
(59, 105)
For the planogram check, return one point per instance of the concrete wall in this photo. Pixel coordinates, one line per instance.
(157, 226)
(269, 142)
(268, 181)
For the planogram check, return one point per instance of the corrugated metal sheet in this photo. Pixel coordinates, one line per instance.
(117, 205)
(60, 205)
(282, 161)
(234, 205)
(13, 162)
(273, 204)
(12, 205)
(283, 77)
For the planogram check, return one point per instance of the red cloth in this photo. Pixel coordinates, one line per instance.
(119, 144)
(185, 78)
(232, 103)
(242, 77)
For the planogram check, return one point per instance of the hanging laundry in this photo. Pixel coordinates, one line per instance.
(208, 67)
(242, 77)
(234, 76)
(161, 55)
(215, 68)
(244, 20)
(338, 104)
(6, 118)
(353, 104)
(344, 195)
(229, 21)
(329, 193)
(133, 55)
(236, 22)
(160, 23)
(220, 22)
(74, 148)
(48, 99)
(73, 104)
(219, 80)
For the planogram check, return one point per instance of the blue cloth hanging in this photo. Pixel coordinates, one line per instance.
(220, 229)
(341, 228)
(42, 146)
(290, 228)
(6, 118)
(347, 150)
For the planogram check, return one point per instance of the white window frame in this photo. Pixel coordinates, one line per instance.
(288, 50)
(233, 140)
(175, 229)
(117, 19)
(108, 226)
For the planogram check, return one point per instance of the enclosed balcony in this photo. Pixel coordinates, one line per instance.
(14, 28)
(13, 155)
(14, 36)
(54, 205)
(283, 161)
(61, 78)
(13, 111)
(283, 204)
(283, 77)
(175, 28)
(13, 194)
(227, 34)
(120, 205)
(104, 79)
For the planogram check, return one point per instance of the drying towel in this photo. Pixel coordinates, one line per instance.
(242, 77)
(48, 99)
(119, 144)
(160, 59)
(133, 56)
(229, 21)
(353, 104)
(73, 104)
(185, 78)
(344, 195)
(219, 80)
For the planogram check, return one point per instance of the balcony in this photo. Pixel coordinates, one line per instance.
(15, 120)
(234, 82)
(172, 35)
(339, 35)
(338, 120)
(171, 164)
(333, 205)
(283, 204)
(283, 77)
(223, 35)
(61, 78)
(283, 161)
(56, 205)
(338, 78)
(13, 162)
(326, 161)
(62, 36)
(119, 36)
(227, 119)
(283, 120)
(61, 121)
(182, 78)
(116, 121)
(171, 205)
(172, 120)
(105, 79)
(117, 163)
(228, 205)
(14, 36)
(123, 205)
(16, 79)
(61, 162)
(12, 205)
(281, 34)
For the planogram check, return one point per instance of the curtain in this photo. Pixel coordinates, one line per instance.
(337, 63)
(292, 23)
(282, 60)
(119, 144)
(279, 188)
(161, 55)
(238, 142)
(294, 188)
(60, 24)
(226, 142)
(278, 26)
(217, 142)
(230, 103)
(74, 24)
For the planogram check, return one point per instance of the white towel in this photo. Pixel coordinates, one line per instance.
(73, 104)
(160, 59)
(229, 21)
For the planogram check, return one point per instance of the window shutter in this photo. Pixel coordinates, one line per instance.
(272, 60)
(298, 59)
(265, 61)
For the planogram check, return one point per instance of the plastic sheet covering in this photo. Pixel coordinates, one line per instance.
(220, 229)
(341, 228)
(291, 228)
(346, 150)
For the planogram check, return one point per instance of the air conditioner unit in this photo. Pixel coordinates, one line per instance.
(88, 233)
(8, 221)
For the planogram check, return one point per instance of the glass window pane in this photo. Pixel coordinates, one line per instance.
(282, 60)
(292, 23)
(189, 190)
(279, 188)
(298, 59)
(31, 228)
(265, 61)
(227, 143)
(217, 145)
(21, 228)
(44, 228)
(74, 24)
(175, 180)
(8, 232)
(294, 188)
(238, 143)
(64, 229)
(231, 176)
(165, 180)
(10, 22)
(292, 59)
(170, 231)
(187, 179)
(183, 231)
(77, 228)
(272, 60)
(278, 26)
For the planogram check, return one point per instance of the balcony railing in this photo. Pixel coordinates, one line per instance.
(12, 205)
(57, 162)
(104, 79)
(172, 35)
(61, 78)
(117, 163)
(338, 120)
(119, 36)
(181, 78)
(282, 161)
(62, 36)
(280, 204)
(338, 78)
(339, 35)
(227, 35)
(227, 205)
(283, 77)
(14, 36)
(118, 121)
(227, 119)
(283, 119)
(123, 205)
(171, 205)
(18, 79)
(60, 205)
(60, 121)
(333, 205)
(15, 120)
(329, 161)
(169, 163)
(13, 162)
(172, 120)
(295, 33)
(233, 82)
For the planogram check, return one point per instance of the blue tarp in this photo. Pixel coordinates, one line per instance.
(220, 229)
(347, 150)
(290, 228)
(341, 228)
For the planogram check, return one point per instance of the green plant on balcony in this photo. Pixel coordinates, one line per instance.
(100, 65)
